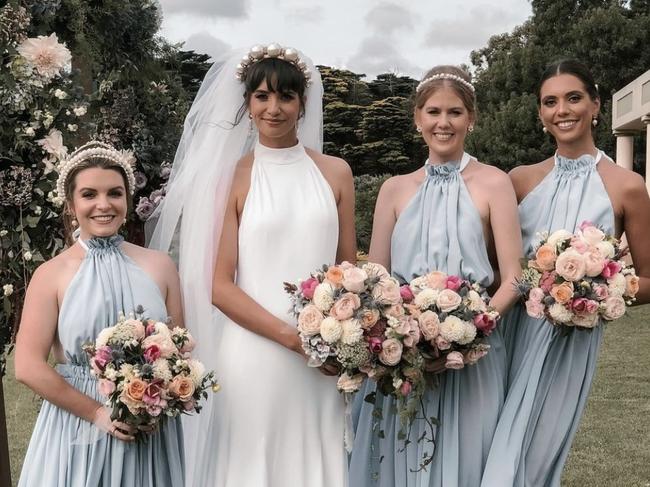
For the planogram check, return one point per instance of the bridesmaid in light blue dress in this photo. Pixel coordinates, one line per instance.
(550, 373)
(70, 299)
(458, 216)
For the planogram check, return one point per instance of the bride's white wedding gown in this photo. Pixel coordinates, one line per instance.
(278, 423)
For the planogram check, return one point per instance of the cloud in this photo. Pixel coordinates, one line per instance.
(378, 55)
(210, 8)
(205, 43)
(300, 15)
(388, 17)
(471, 29)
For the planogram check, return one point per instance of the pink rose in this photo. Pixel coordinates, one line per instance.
(103, 355)
(387, 292)
(448, 300)
(136, 327)
(535, 309)
(391, 352)
(345, 306)
(594, 262)
(585, 224)
(592, 234)
(403, 326)
(405, 388)
(309, 320)
(613, 308)
(152, 353)
(436, 280)
(455, 360)
(346, 265)
(153, 394)
(374, 343)
(354, 279)
(485, 323)
(395, 310)
(413, 337)
(429, 324)
(475, 354)
(150, 329)
(570, 265)
(536, 294)
(105, 387)
(165, 344)
(454, 283)
(406, 293)
(579, 245)
(307, 287)
(442, 344)
(583, 306)
(611, 268)
(547, 280)
(601, 291)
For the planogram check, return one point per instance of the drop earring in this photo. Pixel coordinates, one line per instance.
(250, 124)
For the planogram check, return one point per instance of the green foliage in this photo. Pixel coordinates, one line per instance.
(366, 188)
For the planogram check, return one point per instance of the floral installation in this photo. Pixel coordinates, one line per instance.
(145, 371)
(454, 317)
(575, 280)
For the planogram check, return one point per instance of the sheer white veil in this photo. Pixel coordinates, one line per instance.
(188, 222)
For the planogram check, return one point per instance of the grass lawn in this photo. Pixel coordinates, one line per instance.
(613, 445)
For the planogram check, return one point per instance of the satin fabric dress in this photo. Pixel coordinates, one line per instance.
(278, 422)
(550, 374)
(440, 229)
(67, 451)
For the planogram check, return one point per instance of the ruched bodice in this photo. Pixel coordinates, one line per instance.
(66, 451)
(441, 229)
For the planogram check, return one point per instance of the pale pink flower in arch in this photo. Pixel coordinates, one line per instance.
(46, 54)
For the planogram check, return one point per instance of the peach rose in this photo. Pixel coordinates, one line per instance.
(182, 387)
(545, 257)
(570, 265)
(613, 308)
(134, 389)
(594, 262)
(436, 280)
(391, 352)
(562, 293)
(387, 292)
(345, 306)
(429, 324)
(631, 285)
(334, 275)
(455, 361)
(309, 320)
(354, 279)
(368, 318)
(448, 300)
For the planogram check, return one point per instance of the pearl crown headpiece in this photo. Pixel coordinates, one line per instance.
(124, 159)
(259, 52)
(450, 76)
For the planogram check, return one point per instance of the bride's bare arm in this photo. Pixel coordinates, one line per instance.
(229, 298)
(347, 248)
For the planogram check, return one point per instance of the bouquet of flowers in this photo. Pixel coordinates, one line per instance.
(145, 371)
(353, 317)
(453, 316)
(574, 279)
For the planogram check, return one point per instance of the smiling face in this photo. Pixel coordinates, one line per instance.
(444, 120)
(567, 110)
(275, 114)
(99, 201)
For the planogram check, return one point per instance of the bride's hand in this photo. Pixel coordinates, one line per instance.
(122, 431)
(329, 369)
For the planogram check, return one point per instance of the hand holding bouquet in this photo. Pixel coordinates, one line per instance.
(574, 279)
(145, 371)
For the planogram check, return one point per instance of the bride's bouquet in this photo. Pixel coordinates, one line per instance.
(572, 280)
(453, 316)
(145, 371)
(353, 317)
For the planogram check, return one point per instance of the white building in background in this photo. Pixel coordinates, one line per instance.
(630, 118)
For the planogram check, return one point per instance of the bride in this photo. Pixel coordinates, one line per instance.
(248, 224)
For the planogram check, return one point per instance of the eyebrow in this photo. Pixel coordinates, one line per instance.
(95, 189)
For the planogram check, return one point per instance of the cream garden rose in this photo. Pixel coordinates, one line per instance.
(570, 265)
(354, 279)
(448, 300)
(391, 352)
(429, 325)
(309, 320)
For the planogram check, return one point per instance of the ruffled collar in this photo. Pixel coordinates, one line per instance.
(584, 163)
(447, 169)
(101, 243)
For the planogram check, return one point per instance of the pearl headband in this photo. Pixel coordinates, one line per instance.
(124, 159)
(449, 76)
(259, 52)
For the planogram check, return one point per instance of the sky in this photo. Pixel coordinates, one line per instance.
(364, 36)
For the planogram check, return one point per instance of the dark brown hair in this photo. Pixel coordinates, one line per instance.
(574, 68)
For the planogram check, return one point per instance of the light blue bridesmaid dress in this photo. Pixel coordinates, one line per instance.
(67, 451)
(550, 373)
(440, 229)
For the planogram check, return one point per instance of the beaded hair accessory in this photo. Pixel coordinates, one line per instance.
(260, 52)
(449, 76)
(124, 159)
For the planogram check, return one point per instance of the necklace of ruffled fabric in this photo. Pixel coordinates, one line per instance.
(99, 244)
(574, 167)
(448, 169)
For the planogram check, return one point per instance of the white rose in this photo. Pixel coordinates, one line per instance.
(351, 331)
(453, 329)
(616, 285)
(331, 330)
(348, 383)
(163, 329)
(419, 283)
(324, 296)
(426, 298)
(8, 289)
(558, 236)
(560, 314)
(606, 249)
(475, 302)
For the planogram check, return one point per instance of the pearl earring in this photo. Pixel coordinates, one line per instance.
(74, 223)
(594, 121)
(544, 129)
(470, 129)
(419, 129)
